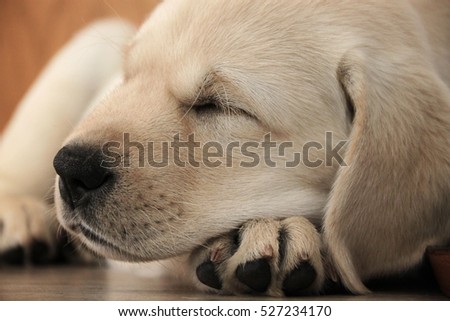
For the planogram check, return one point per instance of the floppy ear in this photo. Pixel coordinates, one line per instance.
(392, 198)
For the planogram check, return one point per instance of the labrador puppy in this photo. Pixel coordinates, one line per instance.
(260, 146)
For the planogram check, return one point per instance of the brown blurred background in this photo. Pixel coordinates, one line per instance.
(32, 30)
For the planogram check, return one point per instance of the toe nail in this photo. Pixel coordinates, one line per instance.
(255, 274)
(268, 252)
(299, 279)
(216, 255)
(206, 273)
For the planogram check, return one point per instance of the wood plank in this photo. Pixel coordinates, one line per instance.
(31, 31)
(88, 283)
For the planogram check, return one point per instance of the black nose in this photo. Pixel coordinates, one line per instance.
(81, 173)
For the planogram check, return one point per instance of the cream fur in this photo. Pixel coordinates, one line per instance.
(293, 66)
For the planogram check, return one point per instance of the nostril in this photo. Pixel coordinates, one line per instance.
(93, 179)
(80, 173)
(77, 190)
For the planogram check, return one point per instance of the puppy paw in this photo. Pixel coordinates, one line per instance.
(265, 256)
(27, 235)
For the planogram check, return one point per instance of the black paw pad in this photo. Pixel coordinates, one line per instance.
(299, 279)
(39, 252)
(14, 256)
(255, 274)
(206, 273)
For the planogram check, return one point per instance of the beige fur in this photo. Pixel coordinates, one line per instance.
(290, 68)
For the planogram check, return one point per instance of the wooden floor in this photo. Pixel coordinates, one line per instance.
(87, 283)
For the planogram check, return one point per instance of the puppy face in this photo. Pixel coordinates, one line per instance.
(224, 73)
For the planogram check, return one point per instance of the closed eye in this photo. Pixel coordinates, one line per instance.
(207, 108)
(212, 108)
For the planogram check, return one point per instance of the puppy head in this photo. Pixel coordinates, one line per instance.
(179, 152)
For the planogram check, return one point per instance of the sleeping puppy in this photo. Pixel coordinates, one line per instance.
(261, 147)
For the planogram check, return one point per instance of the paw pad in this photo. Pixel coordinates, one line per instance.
(39, 252)
(255, 274)
(206, 273)
(13, 256)
(299, 279)
(36, 252)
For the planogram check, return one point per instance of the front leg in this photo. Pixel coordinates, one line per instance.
(46, 115)
(265, 256)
